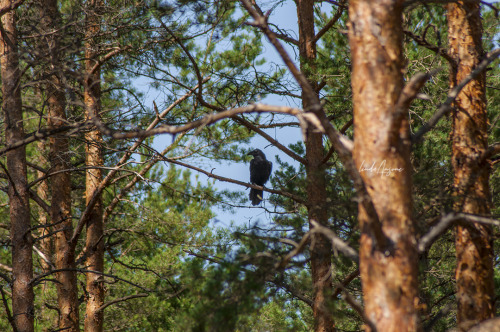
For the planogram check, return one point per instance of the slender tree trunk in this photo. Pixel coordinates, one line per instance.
(46, 243)
(19, 209)
(474, 249)
(321, 249)
(94, 242)
(388, 269)
(67, 290)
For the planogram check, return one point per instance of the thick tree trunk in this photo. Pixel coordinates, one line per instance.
(320, 248)
(381, 152)
(59, 156)
(19, 209)
(94, 245)
(474, 249)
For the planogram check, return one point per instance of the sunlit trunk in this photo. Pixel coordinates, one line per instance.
(382, 155)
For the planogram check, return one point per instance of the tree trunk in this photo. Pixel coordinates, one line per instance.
(94, 242)
(388, 266)
(474, 249)
(67, 290)
(320, 248)
(46, 241)
(19, 209)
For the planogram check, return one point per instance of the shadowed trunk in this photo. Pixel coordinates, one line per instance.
(19, 209)
(474, 250)
(320, 248)
(94, 245)
(59, 156)
(382, 155)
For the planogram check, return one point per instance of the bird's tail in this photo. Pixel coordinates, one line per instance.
(256, 196)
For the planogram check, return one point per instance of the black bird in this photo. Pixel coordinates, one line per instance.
(260, 170)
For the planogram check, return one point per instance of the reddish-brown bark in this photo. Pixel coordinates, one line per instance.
(19, 208)
(94, 245)
(59, 157)
(474, 250)
(320, 248)
(389, 267)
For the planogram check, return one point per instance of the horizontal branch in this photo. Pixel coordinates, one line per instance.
(43, 134)
(271, 140)
(446, 222)
(204, 121)
(244, 184)
(118, 300)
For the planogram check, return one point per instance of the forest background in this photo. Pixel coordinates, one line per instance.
(124, 167)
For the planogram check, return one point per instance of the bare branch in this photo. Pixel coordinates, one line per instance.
(43, 134)
(121, 299)
(446, 222)
(421, 41)
(244, 184)
(205, 121)
(337, 243)
(274, 142)
(409, 93)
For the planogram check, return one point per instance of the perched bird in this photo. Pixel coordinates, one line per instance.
(260, 170)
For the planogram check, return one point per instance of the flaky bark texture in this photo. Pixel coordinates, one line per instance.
(19, 209)
(59, 156)
(320, 248)
(381, 152)
(474, 250)
(94, 245)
